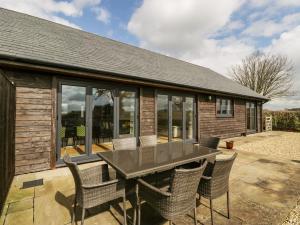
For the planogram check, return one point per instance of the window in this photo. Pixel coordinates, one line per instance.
(251, 116)
(91, 115)
(224, 107)
(175, 117)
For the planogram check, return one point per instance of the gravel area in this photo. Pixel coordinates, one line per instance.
(294, 217)
(281, 144)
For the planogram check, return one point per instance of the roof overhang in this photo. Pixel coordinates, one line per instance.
(73, 71)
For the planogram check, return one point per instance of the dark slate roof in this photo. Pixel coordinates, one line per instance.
(29, 38)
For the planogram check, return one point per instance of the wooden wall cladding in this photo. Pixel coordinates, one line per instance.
(211, 125)
(34, 121)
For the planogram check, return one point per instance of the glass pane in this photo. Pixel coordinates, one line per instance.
(177, 112)
(127, 107)
(73, 113)
(189, 116)
(162, 118)
(103, 120)
(251, 116)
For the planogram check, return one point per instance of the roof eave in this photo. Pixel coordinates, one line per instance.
(33, 63)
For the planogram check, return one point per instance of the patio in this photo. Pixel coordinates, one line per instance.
(264, 189)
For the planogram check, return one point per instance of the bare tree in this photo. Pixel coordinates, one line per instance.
(269, 75)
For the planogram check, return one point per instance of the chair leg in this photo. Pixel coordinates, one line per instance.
(195, 216)
(228, 207)
(74, 211)
(170, 222)
(124, 210)
(139, 211)
(211, 211)
(82, 217)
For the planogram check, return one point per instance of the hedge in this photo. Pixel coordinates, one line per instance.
(284, 120)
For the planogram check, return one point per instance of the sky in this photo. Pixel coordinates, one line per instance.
(211, 33)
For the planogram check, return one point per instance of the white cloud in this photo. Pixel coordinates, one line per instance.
(288, 44)
(268, 28)
(176, 26)
(102, 14)
(50, 9)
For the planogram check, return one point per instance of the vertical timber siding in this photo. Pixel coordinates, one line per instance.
(34, 121)
(209, 124)
(147, 112)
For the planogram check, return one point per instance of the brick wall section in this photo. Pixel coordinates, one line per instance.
(209, 124)
(147, 112)
(33, 122)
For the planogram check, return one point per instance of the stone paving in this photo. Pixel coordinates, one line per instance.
(263, 190)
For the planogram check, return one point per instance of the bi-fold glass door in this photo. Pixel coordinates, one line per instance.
(90, 116)
(176, 117)
(251, 116)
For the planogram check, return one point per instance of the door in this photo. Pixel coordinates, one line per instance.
(176, 117)
(90, 116)
(251, 116)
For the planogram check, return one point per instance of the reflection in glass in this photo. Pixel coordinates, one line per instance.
(189, 117)
(102, 120)
(127, 107)
(73, 114)
(177, 113)
(162, 118)
(251, 116)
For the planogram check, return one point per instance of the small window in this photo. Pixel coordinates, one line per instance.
(224, 107)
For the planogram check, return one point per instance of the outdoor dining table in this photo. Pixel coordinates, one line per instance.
(143, 161)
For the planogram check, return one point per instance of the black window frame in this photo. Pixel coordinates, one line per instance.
(227, 115)
(89, 85)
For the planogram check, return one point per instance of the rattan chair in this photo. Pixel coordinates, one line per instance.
(210, 142)
(124, 143)
(148, 141)
(177, 199)
(94, 187)
(215, 181)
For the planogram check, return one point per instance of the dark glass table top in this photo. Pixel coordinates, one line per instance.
(147, 160)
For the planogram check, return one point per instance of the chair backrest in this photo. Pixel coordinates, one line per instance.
(62, 132)
(74, 170)
(124, 143)
(210, 142)
(220, 171)
(80, 131)
(148, 141)
(185, 182)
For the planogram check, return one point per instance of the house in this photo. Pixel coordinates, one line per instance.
(75, 91)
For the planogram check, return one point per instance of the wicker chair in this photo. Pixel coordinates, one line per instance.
(177, 199)
(210, 142)
(215, 181)
(148, 141)
(93, 187)
(124, 143)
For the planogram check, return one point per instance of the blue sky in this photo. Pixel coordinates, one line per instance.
(212, 33)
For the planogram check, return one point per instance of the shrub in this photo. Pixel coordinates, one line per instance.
(284, 120)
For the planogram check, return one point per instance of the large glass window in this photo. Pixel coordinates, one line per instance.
(162, 118)
(102, 119)
(91, 116)
(251, 115)
(127, 112)
(177, 118)
(224, 107)
(72, 131)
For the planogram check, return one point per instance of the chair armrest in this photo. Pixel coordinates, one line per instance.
(154, 189)
(90, 186)
(206, 178)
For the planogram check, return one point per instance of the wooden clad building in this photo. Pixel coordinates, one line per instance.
(75, 91)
